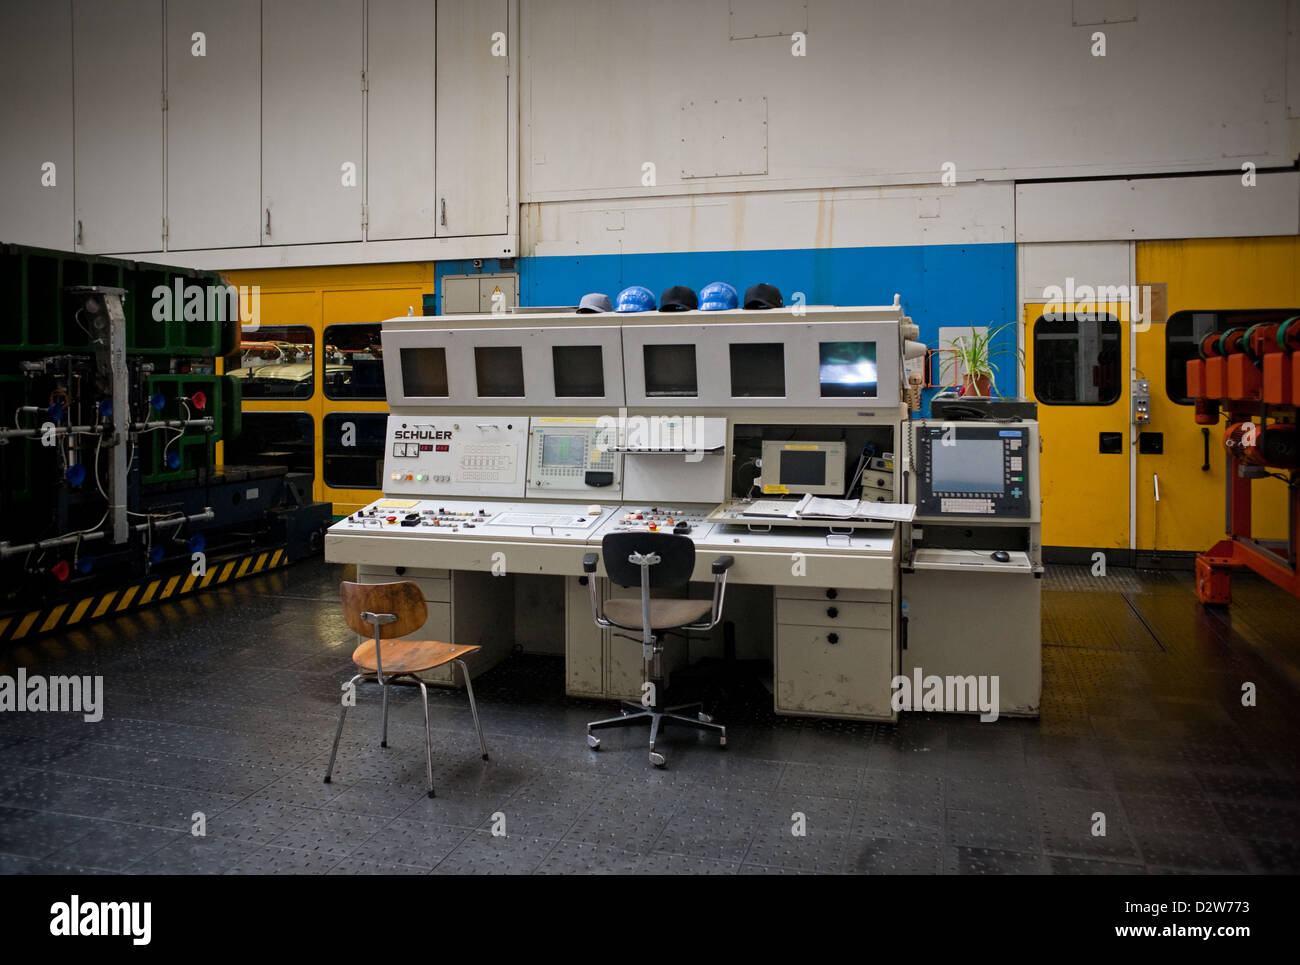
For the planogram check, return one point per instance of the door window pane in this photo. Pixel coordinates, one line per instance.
(275, 362)
(359, 465)
(353, 362)
(274, 439)
(1184, 331)
(1077, 361)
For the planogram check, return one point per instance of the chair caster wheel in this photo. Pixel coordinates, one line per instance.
(722, 742)
(593, 742)
(657, 759)
(327, 778)
(485, 757)
(705, 718)
(383, 743)
(431, 794)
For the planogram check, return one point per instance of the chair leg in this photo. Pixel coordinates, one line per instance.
(338, 733)
(473, 708)
(700, 724)
(383, 741)
(428, 739)
(656, 758)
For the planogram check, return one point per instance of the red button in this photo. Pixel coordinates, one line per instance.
(391, 519)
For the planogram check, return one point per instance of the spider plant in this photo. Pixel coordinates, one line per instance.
(970, 355)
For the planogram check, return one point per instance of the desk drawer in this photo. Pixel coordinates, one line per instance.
(831, 594)
(834, 613)
(848, 678)
(434, 584)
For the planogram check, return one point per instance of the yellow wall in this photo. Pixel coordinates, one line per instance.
(318, 297)
(1206, 274)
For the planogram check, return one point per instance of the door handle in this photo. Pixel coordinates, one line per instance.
(268, 222)
(443, 217)
(1205, 438)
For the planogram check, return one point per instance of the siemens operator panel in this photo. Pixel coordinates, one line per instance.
(456, 456)
(566, 458)
(803, 467)
(976, 470)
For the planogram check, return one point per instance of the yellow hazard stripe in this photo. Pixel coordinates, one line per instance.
(243, 567)
(26, 624)
(148, 594)
(225, 572)
(261, 561)
(53, 619)
(127, 597)
(171, 585)
(275, 560)
(4, 625)
(80, 610)
(104, 604)
(189, 582)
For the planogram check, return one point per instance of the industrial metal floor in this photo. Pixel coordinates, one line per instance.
(225, 705)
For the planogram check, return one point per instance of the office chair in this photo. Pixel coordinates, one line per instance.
(654, 561)
(385, 610)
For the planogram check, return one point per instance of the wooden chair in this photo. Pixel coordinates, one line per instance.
(383, 611)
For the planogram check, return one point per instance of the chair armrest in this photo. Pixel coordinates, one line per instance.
(589, 562)
(379, 619)
(722, 564)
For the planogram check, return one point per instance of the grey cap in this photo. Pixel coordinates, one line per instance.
(594, 302)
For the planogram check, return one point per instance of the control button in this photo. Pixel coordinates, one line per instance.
(420, 477)
(391, 519)
(653, 527)
(1017, 492)
(396, 476)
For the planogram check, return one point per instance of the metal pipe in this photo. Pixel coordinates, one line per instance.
(8, 549)
(206, 422)
(202, 517)
(58, 431)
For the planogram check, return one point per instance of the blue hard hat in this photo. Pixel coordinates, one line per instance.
(718, 296)
(637, 298)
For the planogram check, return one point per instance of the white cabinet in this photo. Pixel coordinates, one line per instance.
(835, 652)
(472, 117)
(313, 168)
(400, 104)
(213, 134)
(117, 53)
(36, 117)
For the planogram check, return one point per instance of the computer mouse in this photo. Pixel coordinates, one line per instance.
(1002, 556)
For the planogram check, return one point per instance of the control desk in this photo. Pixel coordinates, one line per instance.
(515, 445)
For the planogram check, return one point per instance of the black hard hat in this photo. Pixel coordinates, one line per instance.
(679, 298)
(763, 296)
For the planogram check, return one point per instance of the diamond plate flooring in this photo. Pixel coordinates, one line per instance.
(220, 710)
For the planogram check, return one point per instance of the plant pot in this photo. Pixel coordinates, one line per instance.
(977, 386)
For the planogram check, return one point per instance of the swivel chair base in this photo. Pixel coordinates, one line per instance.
(633, 714)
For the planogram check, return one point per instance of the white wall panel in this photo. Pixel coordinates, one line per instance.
(214, 138)
(1093, 264)
(36, 117)
(887, 92)
(851, 217)
(1217, 206)
(117, 109)
(400, 122)
(312, 107)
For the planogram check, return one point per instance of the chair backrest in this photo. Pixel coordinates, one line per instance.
(404, 600)
(677, 555)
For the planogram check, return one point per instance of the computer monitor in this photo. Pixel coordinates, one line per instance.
(803, 467)
(975, 469)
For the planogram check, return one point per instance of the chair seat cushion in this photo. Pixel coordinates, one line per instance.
(664, 614)
(408, 656)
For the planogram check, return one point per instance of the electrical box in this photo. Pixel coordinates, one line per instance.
(1141, 401)
(476, 294)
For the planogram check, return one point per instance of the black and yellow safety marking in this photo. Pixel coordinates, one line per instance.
(16, 626)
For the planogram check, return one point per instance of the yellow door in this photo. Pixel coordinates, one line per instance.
(1077, 370)
(1203, 275)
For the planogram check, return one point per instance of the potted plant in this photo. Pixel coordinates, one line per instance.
(970, 356)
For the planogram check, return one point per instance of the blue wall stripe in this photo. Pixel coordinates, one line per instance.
(956, 285)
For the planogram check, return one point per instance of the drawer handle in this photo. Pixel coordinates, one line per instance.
(832, 594)
(832, 638)
(832, 612)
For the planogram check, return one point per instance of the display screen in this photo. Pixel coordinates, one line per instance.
(563, 451)
(968, 466)
(424, 372)
(801, 467)
(848, 369)
(670, 370)
(499, 370)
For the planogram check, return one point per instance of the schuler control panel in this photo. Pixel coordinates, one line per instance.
(567, 456)
(458, 455)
